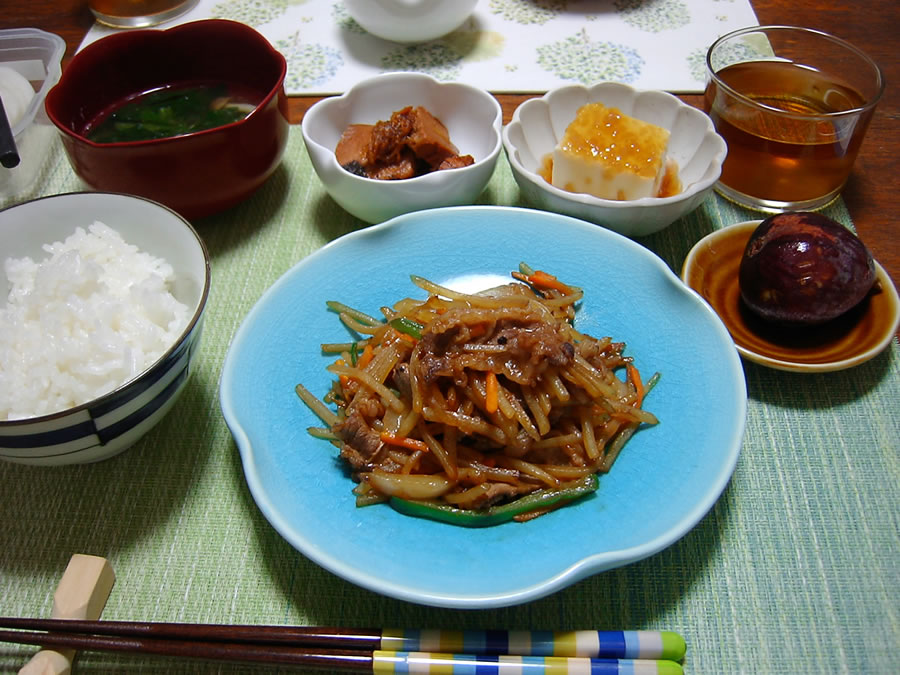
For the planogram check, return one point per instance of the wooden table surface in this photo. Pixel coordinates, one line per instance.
(872, 194)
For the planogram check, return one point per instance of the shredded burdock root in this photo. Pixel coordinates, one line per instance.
(479, 408)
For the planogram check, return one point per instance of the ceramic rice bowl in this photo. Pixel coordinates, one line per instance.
(113, 422)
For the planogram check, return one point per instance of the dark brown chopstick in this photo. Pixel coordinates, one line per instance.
(313, 647)
(362, 650)
(9, 154)
(312, 636)
(234, 652)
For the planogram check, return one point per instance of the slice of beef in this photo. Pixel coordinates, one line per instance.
(530, 346)
(495, 493)
(355, 432)
(400, 377)
(534, 342)
(353, 458)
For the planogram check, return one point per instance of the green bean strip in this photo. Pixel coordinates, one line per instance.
(408, 326)
(494, 515)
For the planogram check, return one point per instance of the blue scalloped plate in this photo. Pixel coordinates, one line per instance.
(665, 481)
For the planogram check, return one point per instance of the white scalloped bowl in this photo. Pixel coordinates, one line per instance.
(539, 123)
(473, 119)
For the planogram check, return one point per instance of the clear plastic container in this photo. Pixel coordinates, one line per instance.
(37, 56)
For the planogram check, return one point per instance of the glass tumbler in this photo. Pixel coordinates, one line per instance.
(793, 105)
(138, 13)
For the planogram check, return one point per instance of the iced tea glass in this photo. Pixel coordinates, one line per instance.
(138, 13)
(793, 105)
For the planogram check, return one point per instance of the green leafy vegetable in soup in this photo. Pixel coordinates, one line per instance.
(172, 111)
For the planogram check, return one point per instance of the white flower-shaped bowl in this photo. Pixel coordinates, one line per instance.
(473, 119)
(538, 124)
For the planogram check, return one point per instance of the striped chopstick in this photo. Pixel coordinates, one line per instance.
(424, 663)
(656, 645)
(377, 651)
(629, 644)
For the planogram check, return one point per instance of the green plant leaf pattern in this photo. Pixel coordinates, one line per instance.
(434, 58)
(343, 19)
(527, 11)
(502, 46)
(696, 62)
(654, 16)
(579, 59)
(308, 65)
(252, 12)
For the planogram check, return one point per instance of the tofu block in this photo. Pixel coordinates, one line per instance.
(610, 155)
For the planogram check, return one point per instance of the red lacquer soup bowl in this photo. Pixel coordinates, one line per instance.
(197, 173)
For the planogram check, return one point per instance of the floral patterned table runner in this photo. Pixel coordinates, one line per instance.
(794, 570)
(504, 46)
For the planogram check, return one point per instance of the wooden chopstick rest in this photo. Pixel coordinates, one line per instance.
(82, 594)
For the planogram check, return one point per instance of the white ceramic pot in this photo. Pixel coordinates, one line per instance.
(410, 21)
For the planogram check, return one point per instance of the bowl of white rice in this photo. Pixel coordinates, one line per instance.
(100, 322)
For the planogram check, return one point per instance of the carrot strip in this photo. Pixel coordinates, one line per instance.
(404, 442)
(406, 336)
(343, 379)
(477, 330)
(635, 378)
(545, 280)
(491, 399)
(366, 357)
(536, 513)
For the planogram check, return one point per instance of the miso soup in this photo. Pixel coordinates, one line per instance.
(171, 111)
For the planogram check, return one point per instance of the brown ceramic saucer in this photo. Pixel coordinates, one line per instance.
(711, 269)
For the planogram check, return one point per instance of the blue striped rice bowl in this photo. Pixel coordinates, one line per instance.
(112, 422)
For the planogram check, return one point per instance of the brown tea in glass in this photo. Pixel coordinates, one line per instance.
(793, 106)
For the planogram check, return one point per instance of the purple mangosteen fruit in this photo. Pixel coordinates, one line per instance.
(803, 268)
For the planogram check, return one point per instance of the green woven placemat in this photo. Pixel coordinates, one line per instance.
(794, 570)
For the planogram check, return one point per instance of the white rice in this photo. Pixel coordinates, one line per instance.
(90, 317)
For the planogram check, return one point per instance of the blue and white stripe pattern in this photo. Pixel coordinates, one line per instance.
(108, 425)
(629, 644)
(424, 663)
